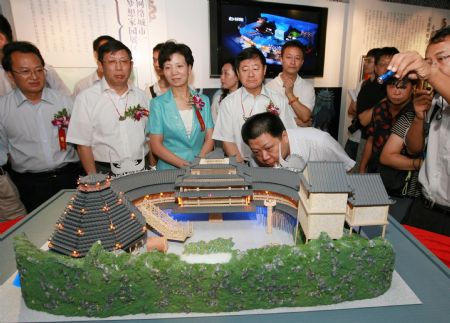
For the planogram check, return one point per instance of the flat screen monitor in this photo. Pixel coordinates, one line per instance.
(238, 24)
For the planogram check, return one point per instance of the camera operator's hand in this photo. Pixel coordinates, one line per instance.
(422, 103)
(411, 64)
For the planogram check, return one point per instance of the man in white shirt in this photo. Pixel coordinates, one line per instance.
(298, 92)
(252, 98)
(432, 212)
(273, 145)
(109, 118)
(52, 79)
(95, 76)
(41, 161)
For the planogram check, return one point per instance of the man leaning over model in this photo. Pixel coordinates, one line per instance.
(273, 145)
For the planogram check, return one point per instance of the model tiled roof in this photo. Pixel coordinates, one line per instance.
(214, 193)
(92, 179)
(368, 190)
(98, 213)
(207, 179)
(325, 177)
(145, 178)
(278, 176)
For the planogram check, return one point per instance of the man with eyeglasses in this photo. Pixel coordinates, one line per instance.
(273, 145)
(52, 78)
(109, 118)
(432, 212)
(252, 98)
(41, 161)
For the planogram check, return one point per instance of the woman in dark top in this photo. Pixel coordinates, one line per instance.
(398, 101)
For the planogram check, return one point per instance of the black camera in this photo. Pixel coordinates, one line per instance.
(355, 126)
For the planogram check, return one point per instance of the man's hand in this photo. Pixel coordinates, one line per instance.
(422, 103)
(288, 85)
(412, 63)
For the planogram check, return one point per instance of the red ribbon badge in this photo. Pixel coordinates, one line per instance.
(62, 138)
(199, 104)
(61, 120)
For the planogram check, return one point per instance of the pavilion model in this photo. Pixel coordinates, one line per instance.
(214, 184)
(324, 190)
(369, 203)
(329, 197)
(96, 212)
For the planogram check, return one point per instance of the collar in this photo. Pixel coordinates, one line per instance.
(20, 97)
(95, 77)
(263, 92)
(439, 100)
(168, 96)
(106, 88)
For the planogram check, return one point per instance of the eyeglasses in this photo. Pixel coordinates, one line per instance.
(27, 73)
(440, 59)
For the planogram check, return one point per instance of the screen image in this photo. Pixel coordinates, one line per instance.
(267, 26)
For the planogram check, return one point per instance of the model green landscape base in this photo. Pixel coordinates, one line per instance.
(102, 284)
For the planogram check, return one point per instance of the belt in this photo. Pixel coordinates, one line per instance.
(436, 207)
(108, 165)
(52, 173)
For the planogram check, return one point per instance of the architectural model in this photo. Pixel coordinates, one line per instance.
(113, 212)
(97, 213)
(329, 196)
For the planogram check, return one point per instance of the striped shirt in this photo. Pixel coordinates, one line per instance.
(400, 128)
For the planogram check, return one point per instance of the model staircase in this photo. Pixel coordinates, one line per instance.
(163, 223)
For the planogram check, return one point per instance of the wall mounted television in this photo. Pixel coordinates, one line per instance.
(237, 24)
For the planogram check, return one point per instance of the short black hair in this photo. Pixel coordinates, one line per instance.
(18, 46)
(401, 82)
(112, 46)
(169, 48)
(385, 51)
(261, 123)
(373, 52)
(99, 39)
(294, 43)
(439, 35)
(249, 53)
(5, 28)
(158, 47)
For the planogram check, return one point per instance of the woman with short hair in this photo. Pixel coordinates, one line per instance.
(180, 125)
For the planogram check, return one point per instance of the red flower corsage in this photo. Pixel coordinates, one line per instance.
(198, 104)
(61, 120)
(136, 113)
(272, 108)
